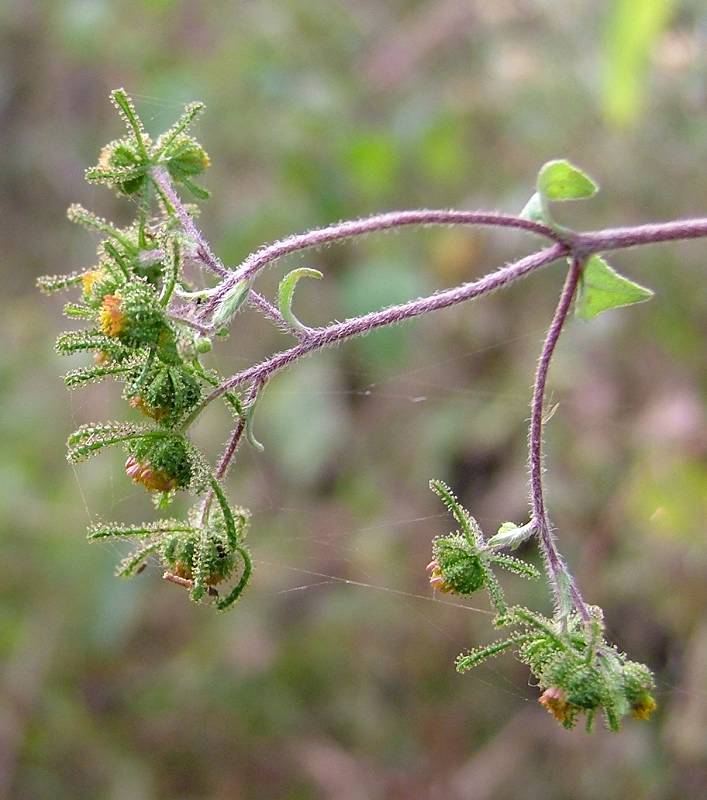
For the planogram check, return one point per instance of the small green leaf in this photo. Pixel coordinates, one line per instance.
(534, 209)
(230, 304)
(286, 291)
(511, 535)
(248, 422)
(602, 288)
(560, 180)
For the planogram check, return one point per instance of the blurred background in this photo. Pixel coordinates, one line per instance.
(333, 677)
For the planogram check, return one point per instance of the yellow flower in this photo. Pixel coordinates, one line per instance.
(644, 707)
(555, 701)
(154, 480)
(88, 279)
(112, 317)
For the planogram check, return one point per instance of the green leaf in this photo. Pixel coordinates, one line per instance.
(560, 180)
(198, 191)
(89, 439)
(602, 288)
(534, 209)
(126, 109)
(85, 375)
(249, 433)
(286, 291)
(191, 112)
(511, 535)
(136, 561)
(230, 304)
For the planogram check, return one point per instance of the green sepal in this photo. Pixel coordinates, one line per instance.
(159, 527)
(286, 291)
(57, 283)
(89, 439)
(468, 526)
(516, 566)
(473, 658)
(601, 288)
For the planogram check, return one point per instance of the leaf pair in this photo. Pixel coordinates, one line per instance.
(601, 287)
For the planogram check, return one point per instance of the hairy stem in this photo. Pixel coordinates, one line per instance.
(204, 252)
(380, 222)
(338, 331)
(558, 574)
(231, 446)
(584, 244)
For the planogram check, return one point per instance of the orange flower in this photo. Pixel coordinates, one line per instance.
(112, 317)
(157, 414)
(644, 707)
(88, 279)
(555, 701)
(154, 480)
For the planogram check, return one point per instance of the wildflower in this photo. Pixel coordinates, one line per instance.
(554, 700)
(154, 480)
(112, 316)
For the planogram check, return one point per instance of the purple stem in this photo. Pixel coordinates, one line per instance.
(203, 251)
(585, 244)
(381, 222)
(323, 337)
(231, 446)
(558, 574)
(268, 310)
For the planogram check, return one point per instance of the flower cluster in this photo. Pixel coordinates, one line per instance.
(569, 658)
(148, 326)
(126, 299)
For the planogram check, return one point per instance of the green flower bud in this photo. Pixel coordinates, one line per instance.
(133, 314)
(454, 567)
(160, 464)
(166, 394)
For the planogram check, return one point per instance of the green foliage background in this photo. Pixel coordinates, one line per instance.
(319, 111)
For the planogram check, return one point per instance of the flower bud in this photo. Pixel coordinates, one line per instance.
(160, 464)
(455, 567)
(133, 314)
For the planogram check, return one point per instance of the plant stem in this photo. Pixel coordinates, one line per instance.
(380, 222)
(204, 252)
(336, 332)
(584, 244)
(231, 446)
(558, 574)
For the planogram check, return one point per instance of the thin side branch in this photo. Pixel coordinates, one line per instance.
(380, 222)
(556, 568)
(203, 251)
(331, 334)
